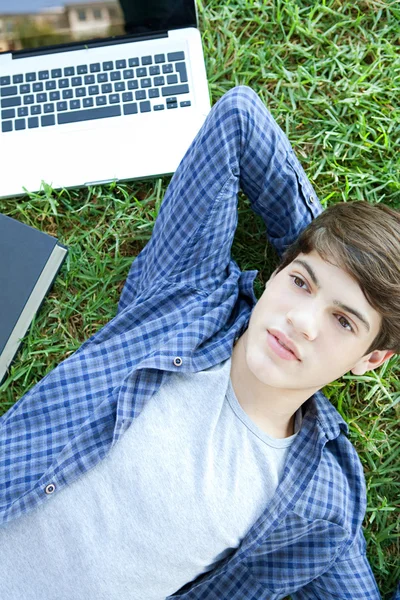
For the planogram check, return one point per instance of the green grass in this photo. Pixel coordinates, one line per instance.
(330, 74)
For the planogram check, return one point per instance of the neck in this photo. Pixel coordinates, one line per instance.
(272, 409)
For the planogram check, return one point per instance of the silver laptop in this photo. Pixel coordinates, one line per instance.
(97, 91)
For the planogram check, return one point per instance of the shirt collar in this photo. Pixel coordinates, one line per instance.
(330, 421)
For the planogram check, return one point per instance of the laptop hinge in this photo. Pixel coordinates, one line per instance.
(123, 39)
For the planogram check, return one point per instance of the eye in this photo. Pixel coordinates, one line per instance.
(344, 323)
(299, 282)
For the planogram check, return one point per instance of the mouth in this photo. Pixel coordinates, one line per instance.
(284, 347)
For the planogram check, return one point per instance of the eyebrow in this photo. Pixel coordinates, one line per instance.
(344, 307)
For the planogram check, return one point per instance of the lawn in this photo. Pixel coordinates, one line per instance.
(330, 74)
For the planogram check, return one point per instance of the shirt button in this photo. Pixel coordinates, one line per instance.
(311, 199)
(49, 489)
(177, 361)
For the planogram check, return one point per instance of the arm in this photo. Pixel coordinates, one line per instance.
(350, 578)
(238, 145)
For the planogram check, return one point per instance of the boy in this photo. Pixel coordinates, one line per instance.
(185, 450)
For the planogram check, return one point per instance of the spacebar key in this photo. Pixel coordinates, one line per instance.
(88, 115)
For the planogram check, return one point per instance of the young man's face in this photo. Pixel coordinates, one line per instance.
(321, 311)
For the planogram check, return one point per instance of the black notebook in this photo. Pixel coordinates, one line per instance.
(30, 261)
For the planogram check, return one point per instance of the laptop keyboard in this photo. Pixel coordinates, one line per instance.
(94, 91)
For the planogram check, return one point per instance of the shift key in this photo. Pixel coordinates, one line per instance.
(174, 90)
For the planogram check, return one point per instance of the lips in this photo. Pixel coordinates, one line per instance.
(285, 342)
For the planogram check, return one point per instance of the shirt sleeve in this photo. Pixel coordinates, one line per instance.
(350, 578)
(239, 146)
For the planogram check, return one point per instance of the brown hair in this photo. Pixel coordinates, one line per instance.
(364, 240)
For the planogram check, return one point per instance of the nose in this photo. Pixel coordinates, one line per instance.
(304, 321)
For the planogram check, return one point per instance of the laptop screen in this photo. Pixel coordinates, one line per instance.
(32, 24)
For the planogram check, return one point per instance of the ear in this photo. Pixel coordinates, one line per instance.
(371, 361)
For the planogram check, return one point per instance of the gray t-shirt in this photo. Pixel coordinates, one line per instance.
(176, 495)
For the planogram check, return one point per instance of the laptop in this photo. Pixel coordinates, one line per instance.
(92, 92)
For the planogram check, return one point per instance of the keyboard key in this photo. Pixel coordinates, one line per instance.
(147, 60)
(41, 97)
(88, 102)
(175, 89)
(36, 109)
(172, 105)
(75, 81)
(33, 122)
(62, 105)
(145, 82)
(102, 77)
(54, 96)
(6, 126)
(167, 69)
(6, 80)
(159, 58)
(80, 92)
(47, 120)
(29, 99)
(126, 97)
(115, 75)
(133, 84)
(106, 88)
(120, 64)
(140, 95)
(23, 111)
(108, 65)
(37, 87)
(128, 74)
(51, 85)
(25, 88)
(19, 124)
(89, 79)
(69, 71)
(101, 100)
(185, 103)
(67, 94)
(158, 107)
(113, 98)
(49, 108)
(133, 62)
(93, 90)
(145, 106)
(18, 78)
(30, 77)
(8, 102)
(154, 93)
(141, 72)
(56, 73)
(130, 109)
(181, 69)
(9, 113)
(119, 86)
(88, 115)
(63, 83)
(159, 80)
(95, 67)
(172, 56)
(74, 104)
(154, 70)
(82, 69)
(12, 90)
(43, 75)
(172, 78)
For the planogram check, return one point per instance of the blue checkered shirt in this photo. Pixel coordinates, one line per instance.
(184, 303)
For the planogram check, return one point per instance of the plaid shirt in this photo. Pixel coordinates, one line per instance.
(184, 303)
